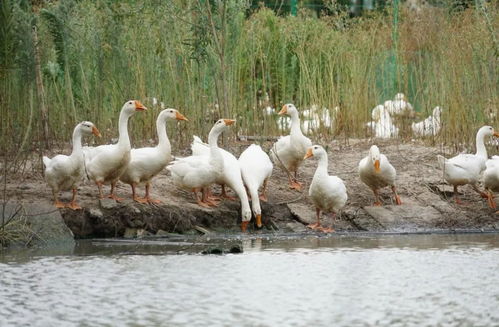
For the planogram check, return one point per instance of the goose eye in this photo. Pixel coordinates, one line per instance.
(130, 102)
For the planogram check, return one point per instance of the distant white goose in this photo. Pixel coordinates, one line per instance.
(491, 180)
(399, 106)
(382, 123)
(328, 193)
(376, 172)
(256, 169)
(66, 172)
(430, 126)
(466, 168)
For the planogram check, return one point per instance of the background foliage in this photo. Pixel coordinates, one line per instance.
(94, 55)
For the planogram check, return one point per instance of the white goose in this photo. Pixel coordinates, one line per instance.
(328, 193)
(399, 106)
(376, 172)
(66, 172)
(256, 169)
(106, 163)
(382, 123)
(230, 176)
(289, 150)
(491, 180)
(466, 168)
(195, 173)
(430, 126)
(145, 163)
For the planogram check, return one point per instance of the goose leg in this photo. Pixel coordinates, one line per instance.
(199, 199)
(72, 204)
(490, 200)
(456, 196)
(397, 197)
(330, 229)
(263, 195)
(377, 199)
(294, 184)
(112, 195)
(148, 197)
(134, 194)
(482, 194)
(57, 203)
(99, 185)
(206, 198)
(317, 225)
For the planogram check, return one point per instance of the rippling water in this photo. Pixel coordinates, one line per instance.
(339, 281)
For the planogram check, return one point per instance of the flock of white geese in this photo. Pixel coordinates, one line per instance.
(209, 164)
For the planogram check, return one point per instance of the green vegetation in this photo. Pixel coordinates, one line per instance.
(218, 58)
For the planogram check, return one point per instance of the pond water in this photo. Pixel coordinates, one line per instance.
(395, 280)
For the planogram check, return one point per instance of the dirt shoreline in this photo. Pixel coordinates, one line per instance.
(427, 204)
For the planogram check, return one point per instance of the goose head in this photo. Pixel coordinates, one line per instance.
(377, 112)
(487, 131)
(315, 151)
(399, 97)
(88, 128)
(222, 124)
(132, 106)
(437, 111)
(288, 109)
(374, 155)
(171, 113)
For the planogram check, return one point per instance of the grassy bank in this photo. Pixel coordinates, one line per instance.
(220, 60)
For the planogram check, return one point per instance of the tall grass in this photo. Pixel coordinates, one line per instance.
(97, 54)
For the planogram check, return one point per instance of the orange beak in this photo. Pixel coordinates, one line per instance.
(259, 221)
(179, 116)
(309, 153)
(229, 122)
(244, 226)
(95, 131)
(139, 106)
(284, 110)
(376, 166)
(496, 134)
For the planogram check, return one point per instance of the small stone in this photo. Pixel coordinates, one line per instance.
(130, 233)
(96, 213)
(212, 251)
(161, 232)
(24, 187)
(108, 203)
(142, 232)
(236, 249)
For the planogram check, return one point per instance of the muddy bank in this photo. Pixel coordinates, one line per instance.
(426, 200)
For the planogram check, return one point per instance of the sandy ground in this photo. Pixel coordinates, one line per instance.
(427, 203)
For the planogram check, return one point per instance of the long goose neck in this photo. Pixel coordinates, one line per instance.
(123, 138)
(215, 152)
(295, 124)
(163, 141)
(255, 200)
(322, 166)
(76, 142)
(480, 146)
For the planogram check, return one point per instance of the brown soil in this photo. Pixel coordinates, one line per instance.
(427, 204)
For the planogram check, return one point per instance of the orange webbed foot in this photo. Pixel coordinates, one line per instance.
(59, 204)
(140, 200)
(115, 198)
(295, 185)
(74, 206)
(263, 198)
(397, 200)
(377, 204)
